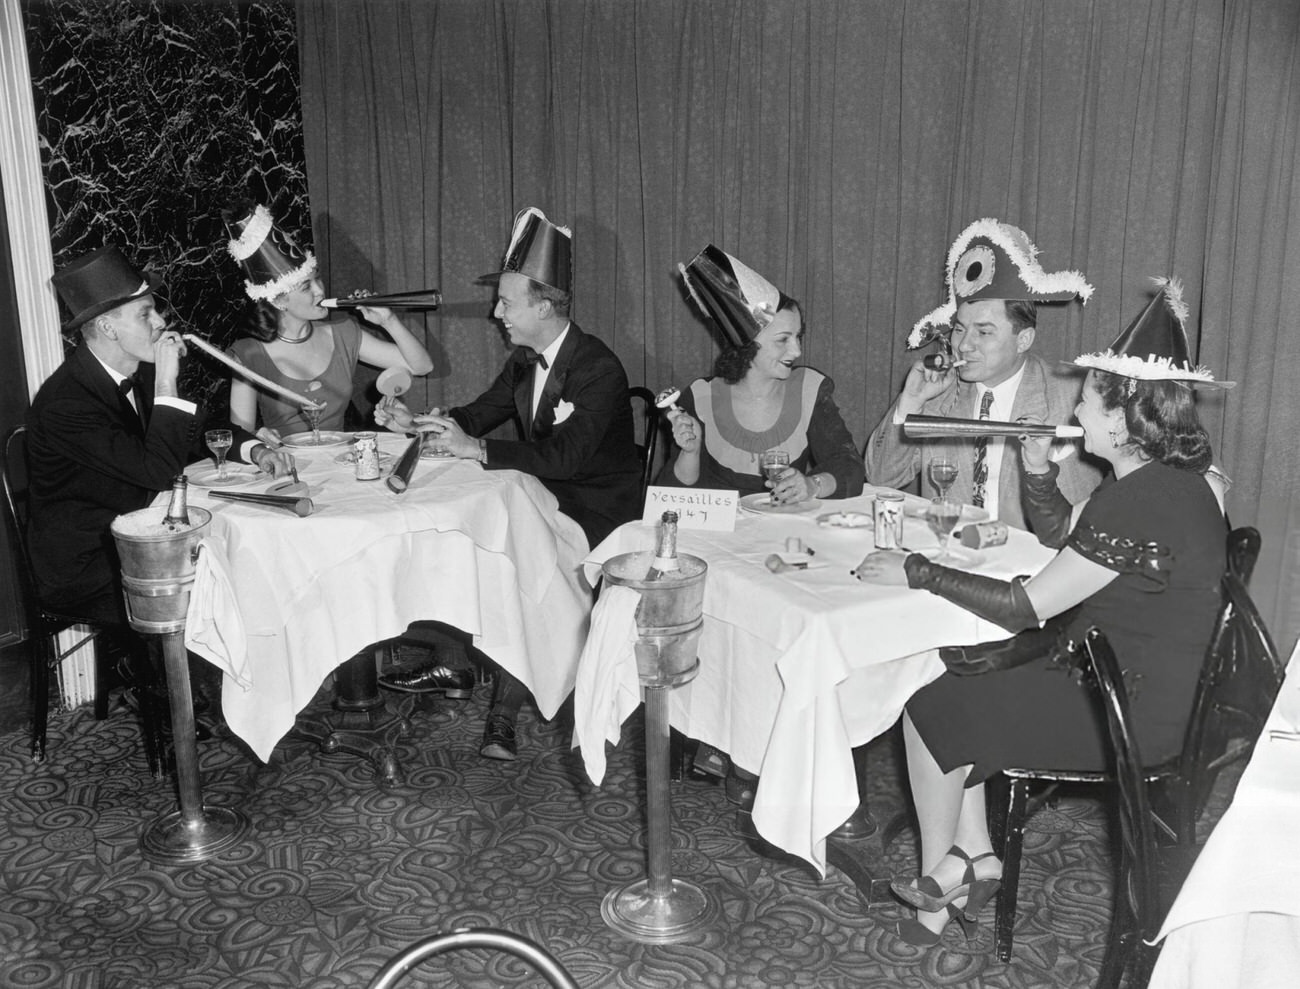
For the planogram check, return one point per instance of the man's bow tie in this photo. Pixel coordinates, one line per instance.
(127, 384)
(532, 357)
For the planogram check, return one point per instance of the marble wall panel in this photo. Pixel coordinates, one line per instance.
(154, 116)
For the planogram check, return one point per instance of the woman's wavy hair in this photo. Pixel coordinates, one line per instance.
(1161, 419)
(263, 321)
(731, 365)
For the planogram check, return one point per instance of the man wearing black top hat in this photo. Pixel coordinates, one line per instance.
(107, 431)
(566, 392)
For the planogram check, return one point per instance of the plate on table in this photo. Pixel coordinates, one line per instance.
(760, 503)
(328, 437)
(349, 457)
(429, 453)
(847, 520)
(206, 477)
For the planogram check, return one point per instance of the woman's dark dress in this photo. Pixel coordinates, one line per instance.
(1162, 531)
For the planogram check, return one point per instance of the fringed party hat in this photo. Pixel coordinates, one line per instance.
(272, 262)
(1154, 346)
(737, 298)
(994, 260)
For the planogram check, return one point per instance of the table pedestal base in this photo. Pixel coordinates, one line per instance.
(173, 839)
(363, 726)
(637, 913)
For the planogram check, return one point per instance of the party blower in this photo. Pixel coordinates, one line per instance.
(921, 427)
(428, 298)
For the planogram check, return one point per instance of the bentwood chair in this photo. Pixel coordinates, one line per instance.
(649, 424)
(1240, 677)
(1137, 912)
(43, 624)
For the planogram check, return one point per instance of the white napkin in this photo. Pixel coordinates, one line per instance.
(214, 627)
(607, 688)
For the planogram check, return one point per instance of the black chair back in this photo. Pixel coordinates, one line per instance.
(1137, 915)
(649, 424)
(14, 479)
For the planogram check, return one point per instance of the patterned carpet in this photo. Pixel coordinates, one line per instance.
(338, 875)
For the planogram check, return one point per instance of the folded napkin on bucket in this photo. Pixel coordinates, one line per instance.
(214, 627)
(607, 688)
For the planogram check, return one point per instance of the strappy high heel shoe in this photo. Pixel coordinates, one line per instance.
(914, 932)
(926, 894)
(981, 890)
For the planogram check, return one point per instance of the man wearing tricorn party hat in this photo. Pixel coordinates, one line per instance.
(566, 393)
(987, 326)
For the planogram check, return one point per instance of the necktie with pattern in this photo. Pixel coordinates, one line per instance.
(981, 455)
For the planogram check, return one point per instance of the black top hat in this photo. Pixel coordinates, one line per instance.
(1154, 346)
(272, 261)
(733, 295)
(539, 250)
(99, 281)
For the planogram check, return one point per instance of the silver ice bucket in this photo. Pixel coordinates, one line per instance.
(669, 618)
(158, 566)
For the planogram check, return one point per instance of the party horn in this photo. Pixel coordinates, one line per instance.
(400, 478)
(920, 427)
(428, 298)
(941, 362)
(301, 507)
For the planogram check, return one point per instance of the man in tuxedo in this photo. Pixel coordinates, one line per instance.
(566, 392)
(988, 325)
(107, 431)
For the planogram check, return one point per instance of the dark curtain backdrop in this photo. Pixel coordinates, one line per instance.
(837, 147)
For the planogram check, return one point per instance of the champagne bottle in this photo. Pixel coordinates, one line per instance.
(178, 514)
(665, 561)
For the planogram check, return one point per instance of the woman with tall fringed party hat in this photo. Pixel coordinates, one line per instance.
(290, 339)
(759, 399)
(1141, 559)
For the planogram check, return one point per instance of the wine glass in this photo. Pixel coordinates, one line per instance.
(219, 441)
(943, 472)
(942, 515)
(774, 463)
(313, 414)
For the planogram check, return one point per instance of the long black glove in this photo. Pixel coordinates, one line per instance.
(1046, 509)
(1003, 602)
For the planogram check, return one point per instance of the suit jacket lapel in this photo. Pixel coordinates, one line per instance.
(554, 386)
(524, 392)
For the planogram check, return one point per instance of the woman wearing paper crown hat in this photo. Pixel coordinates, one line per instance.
(759, 398)
(1141, 559)
(293, 340)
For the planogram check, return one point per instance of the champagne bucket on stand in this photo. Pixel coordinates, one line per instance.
(660, 909)
(158, 562)
(669, 618)
(158, 567)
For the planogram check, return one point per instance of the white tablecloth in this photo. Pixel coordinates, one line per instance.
(799, 667)
(1236, 921)
(485, 551)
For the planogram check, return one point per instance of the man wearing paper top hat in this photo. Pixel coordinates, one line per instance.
(107, 431)
(566, 392)
(989, 322)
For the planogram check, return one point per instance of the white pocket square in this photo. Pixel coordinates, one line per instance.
(563, 410)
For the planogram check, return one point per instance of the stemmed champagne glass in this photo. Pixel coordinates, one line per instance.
(313, 414)
(774, 463)
(942, 516)
(219, 441)
(943, 472)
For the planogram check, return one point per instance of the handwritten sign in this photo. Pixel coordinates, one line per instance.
(696, 508)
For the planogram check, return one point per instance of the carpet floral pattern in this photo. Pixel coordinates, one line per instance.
(338, 875)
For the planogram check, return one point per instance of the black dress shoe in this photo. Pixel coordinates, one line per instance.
(499, 738)
(431, 678)
(740, 787)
